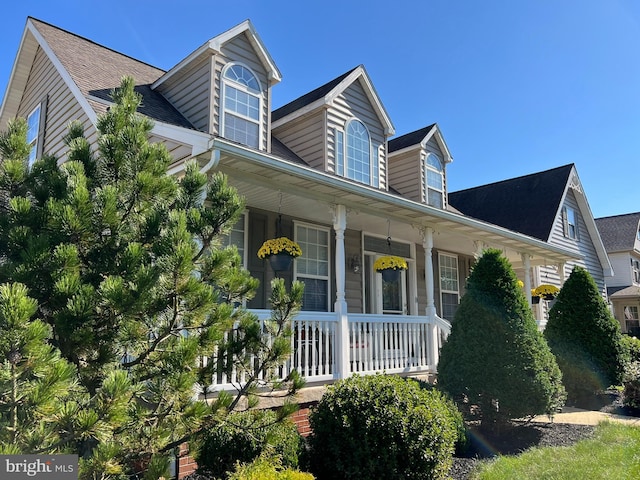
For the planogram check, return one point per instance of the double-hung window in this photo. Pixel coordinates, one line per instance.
(33, 133)
(570, 223)
(433, 181)
(449, 285)
(241, 110)
(358, 164)
(312, 267)
(237, 237)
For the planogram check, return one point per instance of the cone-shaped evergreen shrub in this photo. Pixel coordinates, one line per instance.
(585, 338)
(495, 358)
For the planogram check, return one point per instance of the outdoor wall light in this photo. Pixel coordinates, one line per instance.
(355, 264)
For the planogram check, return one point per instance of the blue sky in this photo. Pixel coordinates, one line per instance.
(515, 86)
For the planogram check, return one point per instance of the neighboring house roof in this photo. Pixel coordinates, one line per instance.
(619, 232)
(527, 204)
(419, 138)
(325, 94)
(626, 292)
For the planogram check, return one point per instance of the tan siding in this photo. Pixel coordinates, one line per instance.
(189, 93)
(240, 50)
(353, 281)
(45, 83)
(305, 137)
(405, 175)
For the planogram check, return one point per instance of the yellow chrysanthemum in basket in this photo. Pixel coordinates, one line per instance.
(390, 262)
(279, 245)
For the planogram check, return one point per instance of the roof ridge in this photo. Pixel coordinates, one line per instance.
(508, 180)
(95, 43)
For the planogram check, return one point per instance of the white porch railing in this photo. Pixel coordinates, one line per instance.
(377, 343)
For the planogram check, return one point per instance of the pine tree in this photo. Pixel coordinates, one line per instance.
(585, 338)
(495, 358)
(126, 266)
(34, 379)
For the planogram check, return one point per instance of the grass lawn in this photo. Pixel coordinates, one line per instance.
(613, 453)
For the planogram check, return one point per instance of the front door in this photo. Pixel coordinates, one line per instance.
(386, 297)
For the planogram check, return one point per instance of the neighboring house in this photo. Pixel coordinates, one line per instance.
(320, 170)
(550, 206)
(621, 237)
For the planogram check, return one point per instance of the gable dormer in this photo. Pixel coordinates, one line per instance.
(339, 128)
(224, 87)
(417, 166)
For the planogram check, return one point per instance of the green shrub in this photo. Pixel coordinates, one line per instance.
(495, 362)
(266, 468)
(381, 427)
(631, 347)
(631, 390)
(243, 437)
(585, 338)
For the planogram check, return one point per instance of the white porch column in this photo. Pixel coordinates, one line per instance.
(561, 273)
(526, 260)
(342, 340)
(433, 343)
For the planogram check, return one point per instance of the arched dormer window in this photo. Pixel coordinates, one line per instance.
(358, 152)
(241, 106)
(434, 180)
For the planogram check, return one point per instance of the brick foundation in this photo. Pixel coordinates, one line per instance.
(186, 464)
(301, 418)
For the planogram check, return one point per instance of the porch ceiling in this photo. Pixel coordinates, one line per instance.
(270, 183)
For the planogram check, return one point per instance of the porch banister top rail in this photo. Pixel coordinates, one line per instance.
(301, 316)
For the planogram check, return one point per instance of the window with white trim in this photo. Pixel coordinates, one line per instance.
(237, 237)
(358, 165)
(33, 133)
(635, 266)
(449, 285)
(312, 267)
(631, 317)
(433, 181)
(241, 106)
(339, 152)
(570, 223)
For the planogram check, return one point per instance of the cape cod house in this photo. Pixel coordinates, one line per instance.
(621, 237)
(550, 206)
(322, 169)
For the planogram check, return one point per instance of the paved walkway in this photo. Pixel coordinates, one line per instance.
(587, 417)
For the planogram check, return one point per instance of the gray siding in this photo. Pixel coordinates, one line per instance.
(583, 246)
(353, 281)
(621, 264)
(190, 93)
(61, 107)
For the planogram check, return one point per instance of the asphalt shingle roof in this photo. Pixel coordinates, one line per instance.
(97, 70)
(308, 98)
(409, 139)
(526, 204)
(619, 232)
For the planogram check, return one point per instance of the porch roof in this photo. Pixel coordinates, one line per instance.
(309, 194)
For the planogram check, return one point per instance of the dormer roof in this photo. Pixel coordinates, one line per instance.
(326, 94)
(619, 232)
(216, 44)
(419, 139)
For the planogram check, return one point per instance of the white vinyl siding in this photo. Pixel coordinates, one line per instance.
(313, 267)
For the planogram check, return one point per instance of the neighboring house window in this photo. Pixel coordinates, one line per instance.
(313, 266)
(631, 318)
(33, 131)
(635, 265)
(241, 117)
(358, 152)
(570, 223)
(434, 180)
(638, 234)
(449, 285)
(236, 237)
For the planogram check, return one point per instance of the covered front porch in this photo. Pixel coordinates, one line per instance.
(354, 321)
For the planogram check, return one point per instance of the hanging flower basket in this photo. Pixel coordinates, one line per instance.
(280, 252)
(546, 291)
(390, 267)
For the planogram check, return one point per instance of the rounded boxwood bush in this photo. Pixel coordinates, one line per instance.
(243, 437)
(381, 426)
